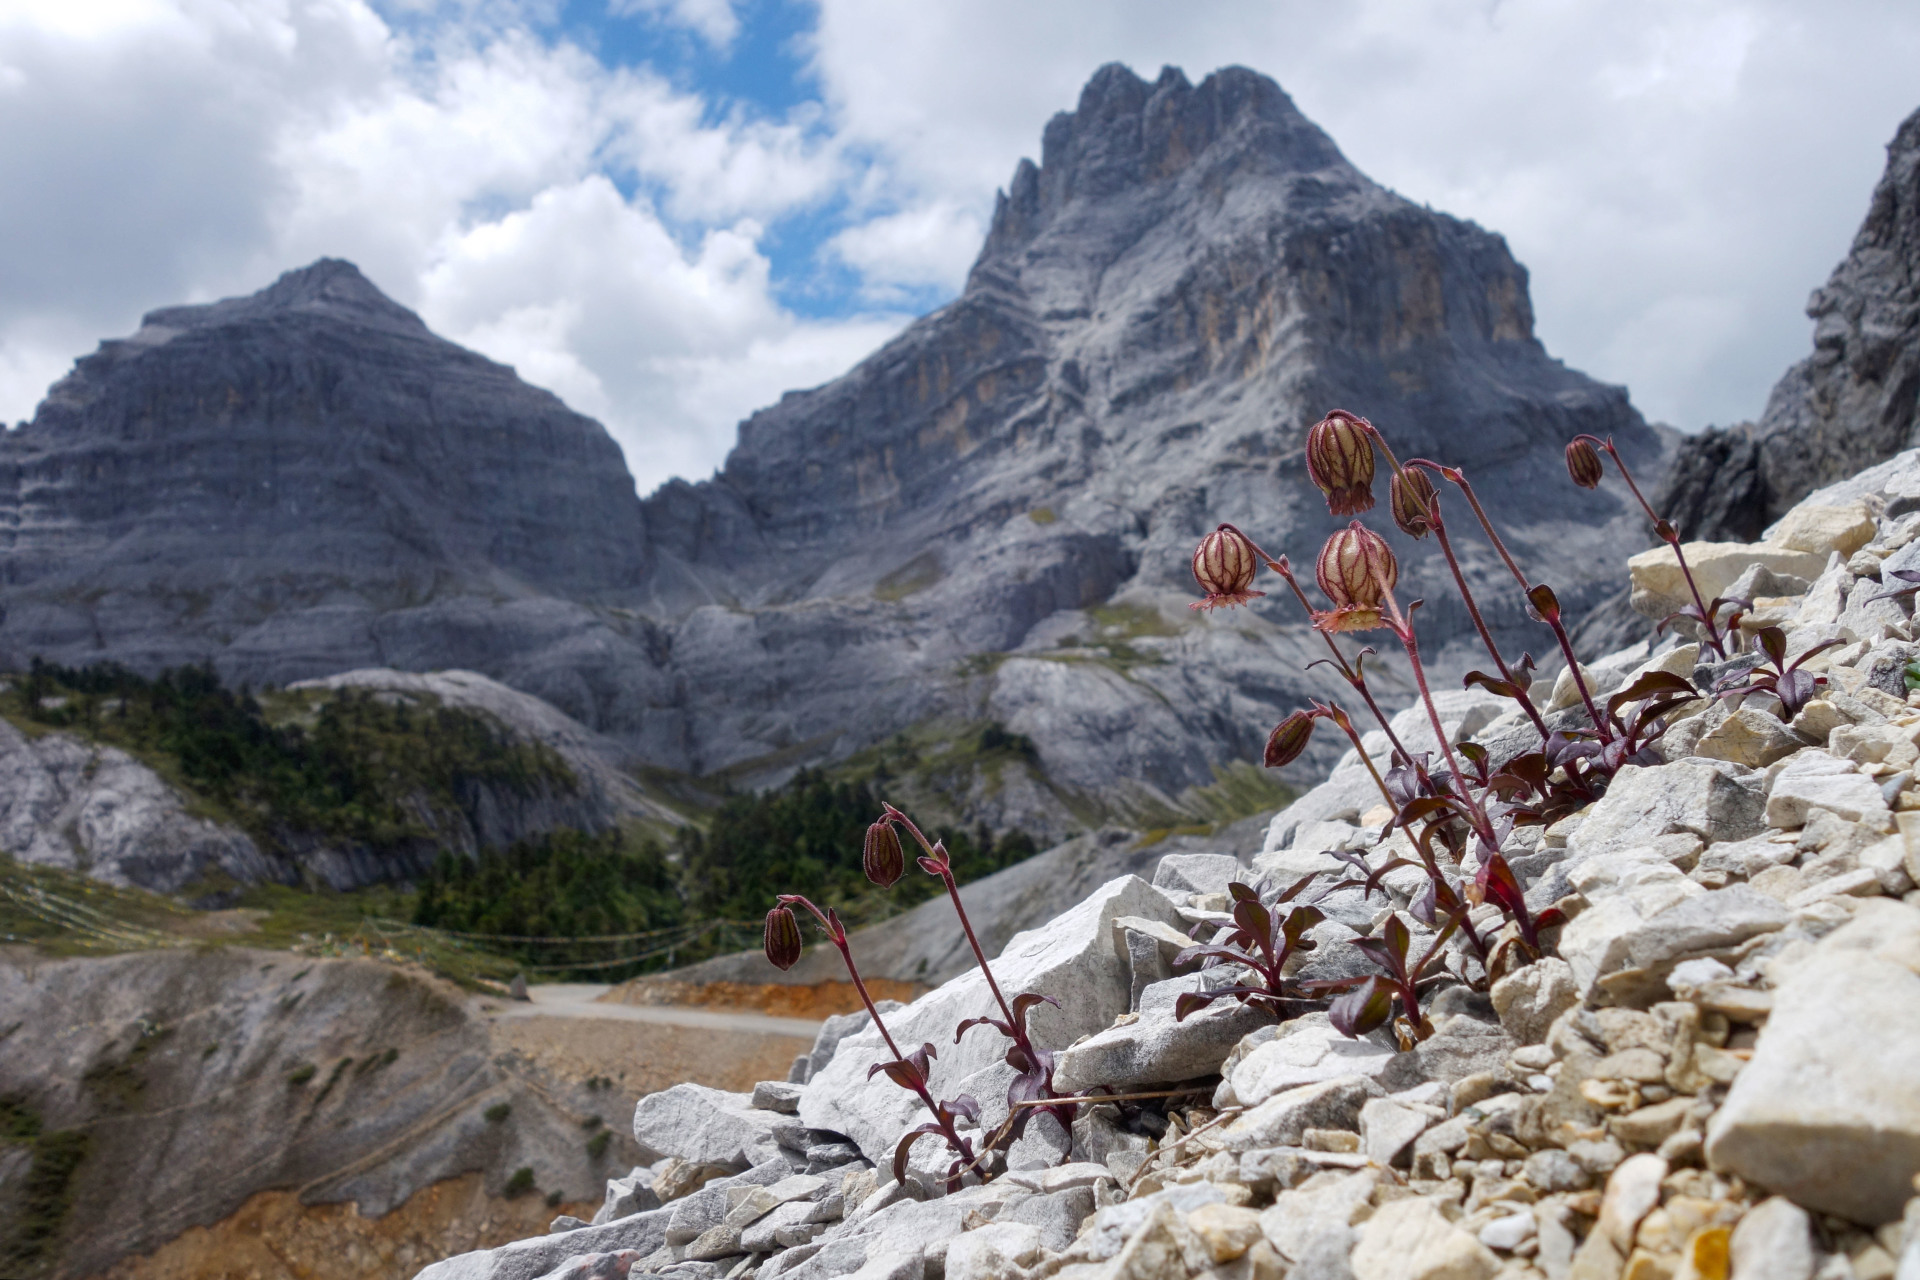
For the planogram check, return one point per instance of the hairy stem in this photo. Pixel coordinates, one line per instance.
(1477, 814)
(1565, 641)
(953, 891)
(1479, 624)
(1671, 536)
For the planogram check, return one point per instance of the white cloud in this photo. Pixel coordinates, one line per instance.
(190, 150)
(930, 244)
(712, 20)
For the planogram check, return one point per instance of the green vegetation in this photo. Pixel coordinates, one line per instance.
(520, 1183)
(810, 833)
(597, 1145)
(1042, 515)
(348, 765)
(563, 885)
(497, 1112)
(302, 1073)
(380, 771)
(46, 1194)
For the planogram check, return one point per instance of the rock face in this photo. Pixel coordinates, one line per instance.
(987, 521)
(83, 807)
(193, 1080)
(1848, 405)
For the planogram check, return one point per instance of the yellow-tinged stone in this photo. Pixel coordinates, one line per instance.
(1708, 1255)
(1659, 588)
(1845, 529)
(1227, 1230)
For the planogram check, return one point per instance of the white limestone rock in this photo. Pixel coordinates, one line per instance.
(1827, 1112)
(705, 1126)
(1073, 959)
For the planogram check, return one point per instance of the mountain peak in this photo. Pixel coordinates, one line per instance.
(1127, 135)
(331, 287)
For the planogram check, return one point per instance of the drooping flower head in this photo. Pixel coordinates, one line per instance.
(1288, 739)
(1412, 497)
(1583, 463)
(783, 938)
(1224, 564)
(882, 858)
(1340, 461)
(1356, 569)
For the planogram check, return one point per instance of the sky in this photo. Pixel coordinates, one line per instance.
(668, 212)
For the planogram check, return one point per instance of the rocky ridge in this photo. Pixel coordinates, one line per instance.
(1706, 1079)
(1845, 407)
(984, 523)
(69, 802)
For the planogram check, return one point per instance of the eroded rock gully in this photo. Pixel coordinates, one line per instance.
(1710, 1076)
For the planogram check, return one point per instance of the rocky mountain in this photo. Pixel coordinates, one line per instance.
(987, 523)
(1848, 405)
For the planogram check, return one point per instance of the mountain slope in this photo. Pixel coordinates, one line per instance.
(986, 523)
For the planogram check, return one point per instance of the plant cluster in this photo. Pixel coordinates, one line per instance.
(883, 862)
(1459, 811)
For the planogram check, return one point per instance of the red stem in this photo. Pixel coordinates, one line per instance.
(1473, 611)
(838, 936)
(1459, 479)
(1669, 535)
(1402, 628)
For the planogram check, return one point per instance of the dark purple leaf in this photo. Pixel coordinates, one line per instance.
(1360, 1010)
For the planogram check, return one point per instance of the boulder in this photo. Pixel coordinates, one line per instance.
(1749, 736)
(1074, 960)
(1774, 1242)
(1154, 1047)
(1198, 872)
(1827, 1112)
(1283, 1119)
(642, 1233)
(1306, 1051)
(704, 1126)
(1814, 779)
(1711, 799)
(1529, 999)
(1845, 528)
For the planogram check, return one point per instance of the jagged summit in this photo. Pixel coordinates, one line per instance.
(1127, 134)
(330, 287)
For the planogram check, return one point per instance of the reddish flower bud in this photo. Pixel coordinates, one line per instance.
(1356, 569)
(1413, 500)
(882, 858)
(783, 938)
(1583, 463)
(1340, 461)
(1224, 564)
(1288, 739)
